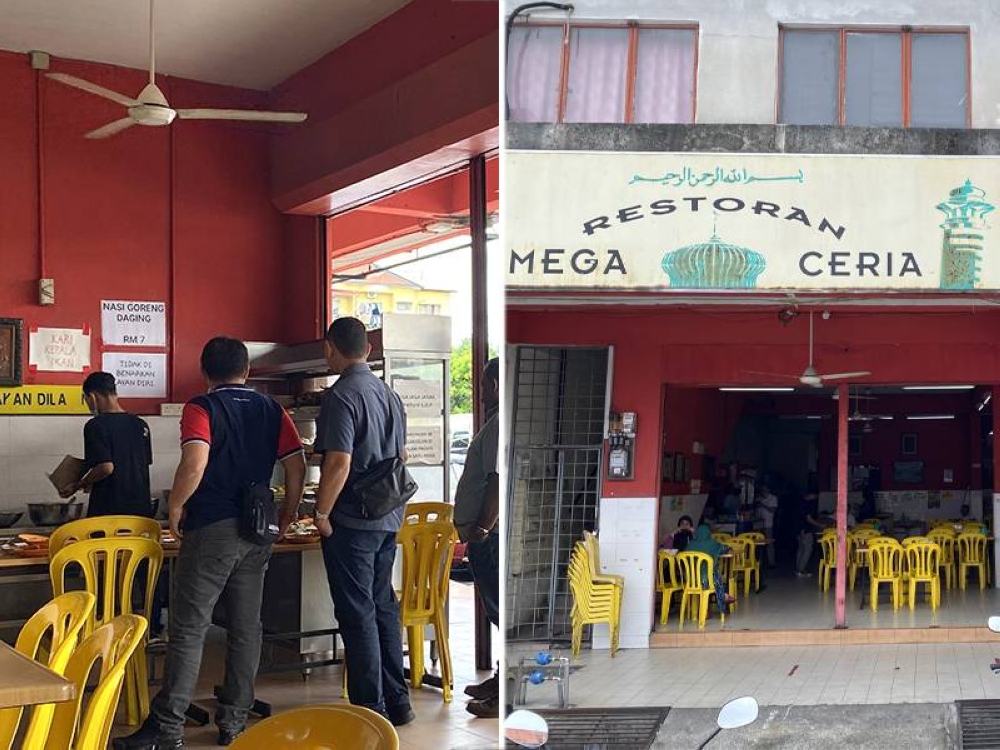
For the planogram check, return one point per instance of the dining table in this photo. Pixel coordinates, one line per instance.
(26, 682)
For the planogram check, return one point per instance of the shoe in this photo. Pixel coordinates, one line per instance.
(803, 574)
(147, 738)
(400, 717)
(485, 709)
(227, 737)
(485, 689)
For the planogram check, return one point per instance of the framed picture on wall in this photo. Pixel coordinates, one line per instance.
(908, 445)
(11, 343)
(908, 472)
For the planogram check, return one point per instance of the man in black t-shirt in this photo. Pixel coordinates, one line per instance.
(117, 453)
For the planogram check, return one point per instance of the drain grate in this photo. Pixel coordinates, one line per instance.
(978, 725)
(602, 728)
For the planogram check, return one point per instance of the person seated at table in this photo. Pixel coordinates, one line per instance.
(685, 531)
(703, 542)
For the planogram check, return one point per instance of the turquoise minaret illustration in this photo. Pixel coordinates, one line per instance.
(713, 265)
(964, 226)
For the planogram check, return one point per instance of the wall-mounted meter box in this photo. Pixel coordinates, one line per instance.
(621, 445)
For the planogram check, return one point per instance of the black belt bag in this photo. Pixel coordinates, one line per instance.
(258, 519)
(383, 488)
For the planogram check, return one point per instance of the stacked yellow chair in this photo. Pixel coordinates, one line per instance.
(594, 602)
(886, 566)
(321, 728)
(923, 561)
(972, 554)
(753, 553)
(594, 557)
(668, 581)
(944, 537)
(112, 563)
(76, 726)
(58, 624)
(697, 570)
(859, 557)
(103, 527)
(427, 551)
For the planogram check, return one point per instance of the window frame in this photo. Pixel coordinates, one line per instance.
(906, 51)
(634, 27)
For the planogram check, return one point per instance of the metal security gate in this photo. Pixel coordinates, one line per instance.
(558, 412)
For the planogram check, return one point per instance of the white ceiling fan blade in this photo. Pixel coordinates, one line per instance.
(842, 375)
(247, 115)
(111, 128)
(92, 88)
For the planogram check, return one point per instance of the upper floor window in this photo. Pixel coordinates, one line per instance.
(592, 73)
(875, 78)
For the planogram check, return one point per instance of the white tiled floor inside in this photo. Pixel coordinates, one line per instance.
(786, 602)
(439, 725)
(776, 676)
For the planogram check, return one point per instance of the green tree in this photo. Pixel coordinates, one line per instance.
(461, 377)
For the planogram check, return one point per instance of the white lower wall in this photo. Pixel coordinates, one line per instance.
(627, 537)
(30, 447)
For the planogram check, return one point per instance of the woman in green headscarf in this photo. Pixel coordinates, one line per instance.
(703, 542)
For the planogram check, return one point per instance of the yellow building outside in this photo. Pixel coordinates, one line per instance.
(385, 292)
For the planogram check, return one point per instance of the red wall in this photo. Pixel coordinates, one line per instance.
(716, 347)
(209, 242)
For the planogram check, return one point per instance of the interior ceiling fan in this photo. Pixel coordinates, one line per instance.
(150, 108)
(809, 376)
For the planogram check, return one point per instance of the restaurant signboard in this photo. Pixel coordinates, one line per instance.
(747, 222)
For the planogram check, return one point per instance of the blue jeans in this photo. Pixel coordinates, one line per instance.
(484, 558)
(359, 568)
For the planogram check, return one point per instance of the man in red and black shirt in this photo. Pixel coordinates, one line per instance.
(230, 438)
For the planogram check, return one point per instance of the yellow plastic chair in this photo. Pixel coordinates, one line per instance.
(914, 540)
(886, 566)
(103, 527)
(858, 557)
(427, 551)
(668, 582)
(698, 571)
(739, 564)
(923, 560)
(973, 527)
(79, 727)
(866, 526)
(58, 624)
(593, 603)
(753, 540)
(428, 511)
(321, 728)
(722, 537)
(112, 564)
(945, 538)
(593, 547)
(828, 562)
(972, 554)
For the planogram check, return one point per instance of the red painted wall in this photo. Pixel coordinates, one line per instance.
(704, 415)
(715, 347)
(114, 229)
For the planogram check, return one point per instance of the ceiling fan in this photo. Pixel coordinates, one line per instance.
(809, 376)
(150, 108)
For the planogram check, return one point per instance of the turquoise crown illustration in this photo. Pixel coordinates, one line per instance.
(713, 265)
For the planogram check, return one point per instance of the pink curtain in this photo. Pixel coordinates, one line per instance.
(597, 69)
(533, 68)
(664, 81)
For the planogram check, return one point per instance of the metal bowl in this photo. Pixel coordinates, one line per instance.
(54, 514)
(9, 519)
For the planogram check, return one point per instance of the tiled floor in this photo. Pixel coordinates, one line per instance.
(786, 602)
(439, 726)
(797, 675)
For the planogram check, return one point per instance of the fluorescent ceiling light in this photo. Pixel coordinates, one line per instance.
(757, 390)
(931, 416)
(803, 416)
(938, 387)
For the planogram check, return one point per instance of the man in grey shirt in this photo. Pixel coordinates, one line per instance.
(361, 423)
(477, 510)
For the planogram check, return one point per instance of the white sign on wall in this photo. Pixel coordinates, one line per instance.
(421, 398)
(59, 349)
(424, 445)
(744, 222)
(134, 323)
(138, 375)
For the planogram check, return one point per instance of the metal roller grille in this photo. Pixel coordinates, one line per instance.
(978, 725)
(602, 729)
(557, 431)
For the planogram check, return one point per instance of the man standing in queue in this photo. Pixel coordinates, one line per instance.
(117, 453)
(361, 423)
(477, 510)
(230, 440)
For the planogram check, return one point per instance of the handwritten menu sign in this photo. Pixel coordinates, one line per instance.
(126, 323)
(421, 398)
(59, 350)
(424, 445)
(138, 375)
